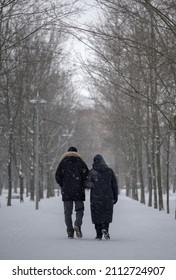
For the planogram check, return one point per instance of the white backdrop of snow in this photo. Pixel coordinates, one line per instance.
(137, 232)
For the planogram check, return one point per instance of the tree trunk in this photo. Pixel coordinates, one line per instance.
(32, 190)
(140, 169)
(158, 165)
(127, 180)
(10, 172)
(21, 187)
(50, 187)
(153, 163)
(134, 179)
(149, 170)
(167, 172)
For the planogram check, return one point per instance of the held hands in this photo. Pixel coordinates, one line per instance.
(88, 185)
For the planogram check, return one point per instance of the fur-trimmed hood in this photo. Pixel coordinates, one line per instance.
(70, 154)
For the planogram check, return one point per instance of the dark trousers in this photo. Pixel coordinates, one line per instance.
(99, 227)
(68, 211)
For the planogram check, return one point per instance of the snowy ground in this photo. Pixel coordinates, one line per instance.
(137, 233)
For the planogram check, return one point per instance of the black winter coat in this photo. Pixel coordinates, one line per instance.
(104, 191)
(71, 175)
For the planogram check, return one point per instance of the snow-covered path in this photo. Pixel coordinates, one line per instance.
(137, 232)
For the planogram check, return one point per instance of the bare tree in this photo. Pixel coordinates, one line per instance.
(33, 62)
(134, 77)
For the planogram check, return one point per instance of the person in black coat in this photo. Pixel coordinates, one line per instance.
(70, 175)
(103, 195)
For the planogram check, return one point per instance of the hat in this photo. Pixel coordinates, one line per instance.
(72, 149)
(98, 158)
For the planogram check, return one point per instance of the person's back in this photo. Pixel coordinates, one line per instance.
(104, 193)
(71, 175)
(102, 182)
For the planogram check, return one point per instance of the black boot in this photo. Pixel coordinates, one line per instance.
(70, 233)
(98, 229)
(78, 231)
(105, 231)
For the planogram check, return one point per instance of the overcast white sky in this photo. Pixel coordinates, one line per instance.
(87, 18)
(77, 48)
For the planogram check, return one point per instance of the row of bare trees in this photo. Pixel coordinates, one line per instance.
(33, 65)
(133, 78)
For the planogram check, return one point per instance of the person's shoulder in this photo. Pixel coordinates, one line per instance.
(93, 172)
(80, 159)
(110, 170)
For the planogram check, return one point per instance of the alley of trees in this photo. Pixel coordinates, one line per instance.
(130, 75)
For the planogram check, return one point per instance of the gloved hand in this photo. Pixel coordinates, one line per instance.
(114, 201)
(88, 185)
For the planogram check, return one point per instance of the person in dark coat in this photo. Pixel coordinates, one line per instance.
(71, 174)
(103, 195)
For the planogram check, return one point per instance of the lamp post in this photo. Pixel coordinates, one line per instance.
(68, 135)
(37, 101)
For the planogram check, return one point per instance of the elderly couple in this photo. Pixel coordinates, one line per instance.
(73, 177)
